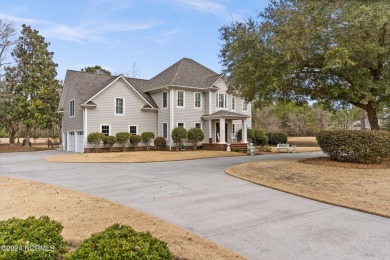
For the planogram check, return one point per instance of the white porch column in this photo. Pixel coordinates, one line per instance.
(210, 134)
(244, 132)
(222, 131)
(85, 126)
(171, 116)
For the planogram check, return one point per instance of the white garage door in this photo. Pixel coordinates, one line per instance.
(71, 142)
(80, 142)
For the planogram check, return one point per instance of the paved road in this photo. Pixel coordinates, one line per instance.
(257, 222)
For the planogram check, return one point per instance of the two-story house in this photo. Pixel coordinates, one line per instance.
(186, 94)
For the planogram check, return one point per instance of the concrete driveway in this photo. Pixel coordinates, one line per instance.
(257, 222)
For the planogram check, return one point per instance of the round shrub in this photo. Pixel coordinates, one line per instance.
(195, 135)
(178, 135)
(259, 137)
(95, 138)
(135, 139)
(31, 238)
(249, 134)
(277, 138)
(147, 137)
(122, 138)
(160, 142)
(121, 242)
(355, 146)
(110, 141)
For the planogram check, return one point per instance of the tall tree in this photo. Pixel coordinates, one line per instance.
(9, 111)
(7, 40)
(32, 81)
(96, 69)
(336, 52)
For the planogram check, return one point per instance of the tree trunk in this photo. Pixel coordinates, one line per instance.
(372, 117)
(28, 133)
(12, 131)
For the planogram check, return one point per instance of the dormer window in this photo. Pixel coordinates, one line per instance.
(221, 100)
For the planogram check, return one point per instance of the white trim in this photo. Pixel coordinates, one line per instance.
(200, 107)
(171, 115)
(184, 124)
(162, 130)
(177, 99)
(74, 108)
(136, 132)
(210, 101)
(201, 125)
(109, 129)
(217, 80)
(123, 106)
(217, 101)
(85, 125)
(162, 100)
(128, 83)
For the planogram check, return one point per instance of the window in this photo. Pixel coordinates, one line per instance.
(245, 106)
(198, 125)
(133, 129)
(180, 125)
(180, 98)
(221, 100)
(105, 130)
(165, 99)
(119, 108)
(71, 108)
(198, 102)
(233, 103)
(165, 130)
(233, 128)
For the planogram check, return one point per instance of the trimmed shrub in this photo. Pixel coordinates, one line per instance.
(121, 242)
(95, 139)
(122, 138)
(195, 135)
(277, 138)
(355, 146)
(160, 142)
(135, 139)
(178, 135)
(146, 138)
(110, 141)
(259, 137)
(249, 134)
(31, 238)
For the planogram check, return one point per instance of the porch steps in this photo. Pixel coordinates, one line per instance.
(238, 147)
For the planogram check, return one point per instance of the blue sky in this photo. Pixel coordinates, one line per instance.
(115, 34)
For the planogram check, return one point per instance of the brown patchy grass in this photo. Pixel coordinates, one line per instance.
(299, 149)
(139, 156)
(360, 189)
(82, 214)
(13, 148)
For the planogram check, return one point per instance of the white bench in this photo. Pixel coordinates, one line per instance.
(283, 146)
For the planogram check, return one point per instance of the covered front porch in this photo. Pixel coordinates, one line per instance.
(222, 127)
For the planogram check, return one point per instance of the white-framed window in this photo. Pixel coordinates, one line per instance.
(165, 99)
(71, 133)
(71, 108)
(244, 106)
(105, 129)
(119, 106)
(165, 130)
(198, 99)
(233, 103)
(221, 101)
(234, 128)
(198, 125)
(133, 129)
(180, 98)
(180, 124)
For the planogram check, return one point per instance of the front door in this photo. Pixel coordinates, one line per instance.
(218, 132)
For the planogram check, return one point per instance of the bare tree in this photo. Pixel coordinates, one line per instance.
(7, 39)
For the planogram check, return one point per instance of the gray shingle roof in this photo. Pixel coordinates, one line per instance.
(224, 113)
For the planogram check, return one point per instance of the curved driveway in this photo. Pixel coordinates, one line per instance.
(255, 221)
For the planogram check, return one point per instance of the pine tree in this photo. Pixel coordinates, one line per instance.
(33, 82)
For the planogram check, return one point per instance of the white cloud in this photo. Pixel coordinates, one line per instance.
(85, 31)
(206, 6)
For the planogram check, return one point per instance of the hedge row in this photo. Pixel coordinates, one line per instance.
(355, 146)
(41, 238)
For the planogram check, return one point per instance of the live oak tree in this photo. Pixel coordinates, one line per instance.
(336, 52)
(32, 81)
(97, 70)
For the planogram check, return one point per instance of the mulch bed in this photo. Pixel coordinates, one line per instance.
(326, 161)
(12, 148)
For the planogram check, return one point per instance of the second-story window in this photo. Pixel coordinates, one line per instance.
(233, 103)
(221, 100)
(244, 106)
(71, 108)
(165, 99)
(119, 109)
(180, 98)
(198, 102)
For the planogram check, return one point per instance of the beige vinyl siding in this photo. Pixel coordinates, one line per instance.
(76, 122)
(104, 113)
(163, 113)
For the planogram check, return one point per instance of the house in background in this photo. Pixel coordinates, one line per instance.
(186, 94)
